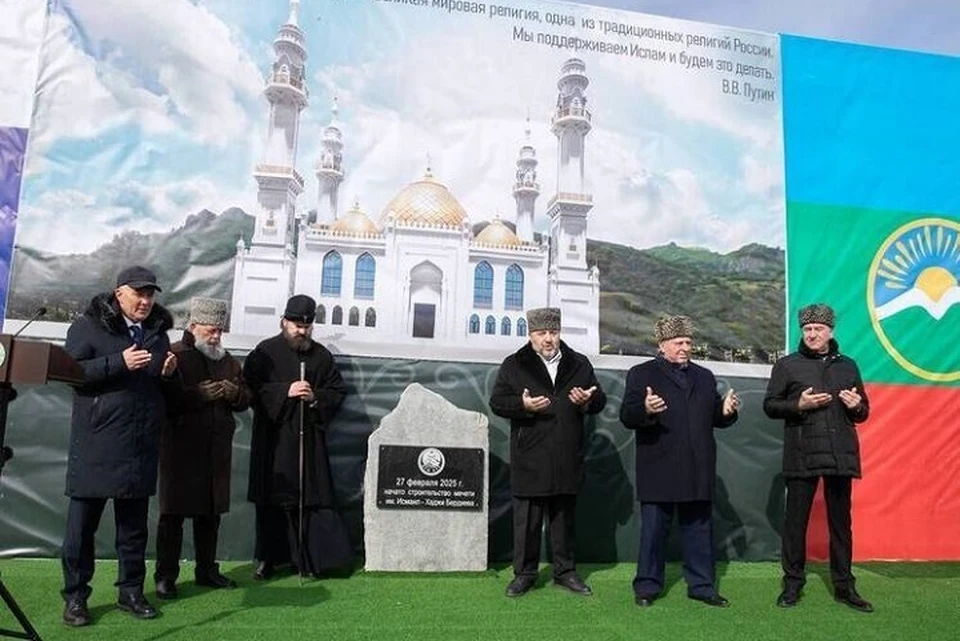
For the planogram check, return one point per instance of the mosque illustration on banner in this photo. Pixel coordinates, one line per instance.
(421, 273)
(913, 290)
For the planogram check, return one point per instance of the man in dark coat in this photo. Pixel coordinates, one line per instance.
(121, 343)
(196, 447)
(545, 389)
(819, 394)
(294, 381)
(673, 405)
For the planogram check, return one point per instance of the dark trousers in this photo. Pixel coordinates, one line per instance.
(206, 528)
(800, 493)
(696, 539)
(528, 514)
(326, 545)
(83, 518)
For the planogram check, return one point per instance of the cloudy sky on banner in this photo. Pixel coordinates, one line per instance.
(141, 83)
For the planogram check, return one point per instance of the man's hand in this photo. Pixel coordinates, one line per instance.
(534, 404)
(169, 365)
(301, 390)
(653, 403)
(136, 358)
(230, 390)
(850, 397)
(811, 401)
(580, 396)
(210, 391)
(730, 403)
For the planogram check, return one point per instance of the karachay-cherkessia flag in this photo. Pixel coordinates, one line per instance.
(873, 229)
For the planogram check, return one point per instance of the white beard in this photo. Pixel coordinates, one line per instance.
(213, 352)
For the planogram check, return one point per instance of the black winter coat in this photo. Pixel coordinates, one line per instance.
(196, 445)
(546, 448)
(117, 414)
(275, 444)
(822, 441)
(676, 458)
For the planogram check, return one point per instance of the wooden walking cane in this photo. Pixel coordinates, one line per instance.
(300, 522)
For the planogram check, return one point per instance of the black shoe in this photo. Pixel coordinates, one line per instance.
(264, 571)
(714, 600)
(520, 585)
(215, 580)
(75, 613)
(645, 600)
(573, 583)
(854, 600)
(137, 605)
(166, 589)
(788, 599)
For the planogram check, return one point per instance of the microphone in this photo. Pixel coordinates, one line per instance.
(40, 312)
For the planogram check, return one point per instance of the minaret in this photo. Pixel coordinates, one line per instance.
(526, 189)
(278, 182)
(573, 286)
(264, 274)
(329, 170)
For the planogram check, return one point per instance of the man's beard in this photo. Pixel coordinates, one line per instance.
(298, 343)
(213, 352)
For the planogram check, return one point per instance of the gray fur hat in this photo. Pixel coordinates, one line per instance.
(817, 313)
(543, 318)
(669, 327)
(209, 311)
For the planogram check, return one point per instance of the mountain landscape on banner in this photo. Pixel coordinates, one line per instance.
(736, 298)
(892, 278)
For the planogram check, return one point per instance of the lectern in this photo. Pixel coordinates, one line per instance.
(28, 362)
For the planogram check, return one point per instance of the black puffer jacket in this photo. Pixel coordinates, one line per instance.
(117, 414)
(822, 441)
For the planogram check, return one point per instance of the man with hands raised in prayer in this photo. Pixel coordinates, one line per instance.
(818, 393)
(546, 389)
(673, 406)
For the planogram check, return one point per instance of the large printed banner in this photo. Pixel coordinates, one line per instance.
(426, 170)
(873, 228)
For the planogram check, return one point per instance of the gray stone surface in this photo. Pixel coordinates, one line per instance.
(424, 540)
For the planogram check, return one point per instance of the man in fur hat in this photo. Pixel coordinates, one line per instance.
(294, 380)
(196, 447)
(673, 406)
(546, 389)
(121, 343)
(818, 393)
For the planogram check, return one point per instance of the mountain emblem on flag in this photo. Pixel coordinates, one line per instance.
(913, 294)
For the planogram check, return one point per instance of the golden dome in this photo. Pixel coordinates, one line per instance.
(425, 202)
(355, 223)
(498, 235)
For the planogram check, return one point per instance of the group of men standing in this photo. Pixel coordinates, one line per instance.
(546, 390)
(146, 405)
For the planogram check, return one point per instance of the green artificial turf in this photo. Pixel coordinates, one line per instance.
(913, 601)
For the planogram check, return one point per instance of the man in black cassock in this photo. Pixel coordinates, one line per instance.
(272, 371)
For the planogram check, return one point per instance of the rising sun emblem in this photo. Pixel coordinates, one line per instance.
(913, 296)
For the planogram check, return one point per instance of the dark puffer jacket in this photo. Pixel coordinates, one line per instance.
(821, 441)
(117, 414)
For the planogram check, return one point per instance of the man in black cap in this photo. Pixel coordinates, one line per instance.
(121, 342)
(673, 406)
(546, 389)
(818, 393)
(295, 384)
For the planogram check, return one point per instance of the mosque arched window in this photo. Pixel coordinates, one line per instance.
(366, 276)
(474, 324)
(490, 326)
(505, 326)
(483, 285)
(321, 315)
(336, 318)
(513, 298)
(353, 318)
(370, 318)
(332, 274)
(521, 327)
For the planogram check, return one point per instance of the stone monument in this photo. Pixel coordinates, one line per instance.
(425, 499)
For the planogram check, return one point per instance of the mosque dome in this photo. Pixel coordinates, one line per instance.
(497, 234)
(425, 202)
(355, 223)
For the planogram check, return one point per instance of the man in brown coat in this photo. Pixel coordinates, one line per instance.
(196, 446)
